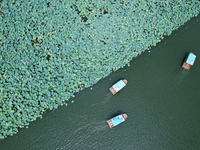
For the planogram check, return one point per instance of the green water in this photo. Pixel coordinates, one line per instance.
(161, 100)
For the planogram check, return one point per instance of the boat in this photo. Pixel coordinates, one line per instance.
(116, 120)
(189, 61)
(118, 86)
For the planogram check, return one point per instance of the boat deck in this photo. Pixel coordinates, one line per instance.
(186, 65)
(110, 123)
(112, 90)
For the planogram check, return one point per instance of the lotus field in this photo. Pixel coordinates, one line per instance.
(50, 50)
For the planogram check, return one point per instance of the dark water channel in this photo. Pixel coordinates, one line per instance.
(162, 101)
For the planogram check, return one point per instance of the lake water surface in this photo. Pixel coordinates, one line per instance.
(162, 101)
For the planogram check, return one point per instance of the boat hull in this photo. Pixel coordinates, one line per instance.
(112, 89)
(189, 61)
(110, 123)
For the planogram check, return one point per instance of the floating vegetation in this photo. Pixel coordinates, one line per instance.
(52, 50)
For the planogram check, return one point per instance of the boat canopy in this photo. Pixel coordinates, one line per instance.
(117, 120)
(119, 85)
(191, 58)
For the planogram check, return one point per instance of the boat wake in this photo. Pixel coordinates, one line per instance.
(107, 98)
(179, 78)
(92, 127)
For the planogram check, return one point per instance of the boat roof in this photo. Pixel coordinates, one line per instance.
(117, 120)
(191, 58)
(119, 85)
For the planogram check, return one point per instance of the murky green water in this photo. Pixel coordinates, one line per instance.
(162, 101)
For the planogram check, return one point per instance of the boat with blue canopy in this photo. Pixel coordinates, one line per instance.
(116, 120)
(189, 61)
(118, 86)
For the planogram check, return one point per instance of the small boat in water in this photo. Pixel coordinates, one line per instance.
(118, 86)
(116, 120)
(189, 61)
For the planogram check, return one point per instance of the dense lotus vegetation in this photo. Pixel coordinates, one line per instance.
(49, 50)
